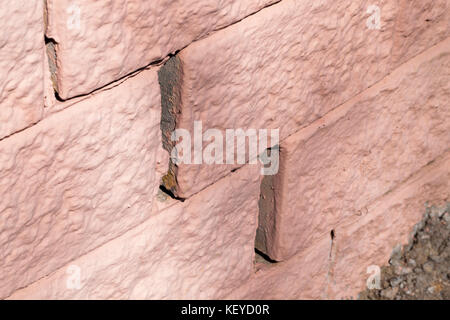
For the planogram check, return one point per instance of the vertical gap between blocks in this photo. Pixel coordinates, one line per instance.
(51, 52)
(267, 217)
(170, 77)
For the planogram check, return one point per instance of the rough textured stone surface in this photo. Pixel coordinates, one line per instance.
(78, 179)
(420, 271)
(80, 187)
(389, 222)
(267, 220)
(101, 41)
(335, 167)
(419, 24)
(337, 269)
(202, 248)
(21, 65)
(305, 276)
(286, 66)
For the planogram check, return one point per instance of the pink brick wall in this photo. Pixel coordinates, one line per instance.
(21, 65)
(369, 150)
(90, 92)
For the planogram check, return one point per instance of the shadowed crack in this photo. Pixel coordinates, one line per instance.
(50, 45)
(170, 78)
(267, 219)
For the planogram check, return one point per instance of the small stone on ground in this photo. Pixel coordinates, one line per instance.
(421, 269)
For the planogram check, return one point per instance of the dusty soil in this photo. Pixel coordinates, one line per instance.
(421, 269)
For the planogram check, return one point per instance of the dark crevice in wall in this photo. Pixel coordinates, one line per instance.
(50, 45)
(114, 83)
(170, 78)
(45, 15)
(261, 256)
(333, 237)
(57, 97)
(267, 219)
(331, 264)
(170, 194)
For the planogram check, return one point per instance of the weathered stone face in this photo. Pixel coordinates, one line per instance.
(337, 268)
(335, 168)
(199, 249)
(99, 42)
(290, 65)
(390, 223)
(91, 206)
(21, 65)
(79, 179)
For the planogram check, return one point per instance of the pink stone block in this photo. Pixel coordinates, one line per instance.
(337, 269)
(337, 166)
(287, 66)
(78, 179)
(304, 276)
(101, 41)
(419, 24)
(199, 249)
(369, 240)
(21, 65)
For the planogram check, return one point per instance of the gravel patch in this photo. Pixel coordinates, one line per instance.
(421, 269)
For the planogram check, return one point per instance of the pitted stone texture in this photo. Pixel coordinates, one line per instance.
(341, 163)
(420, 23)
(21, 65)
(304, 276)
(78, 179)
(102, 41)
(339, 270)
(199, 249)
(285, 67)
(390, 222)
